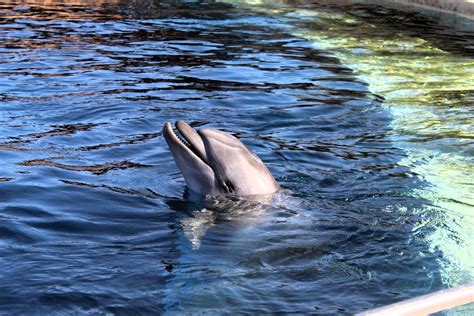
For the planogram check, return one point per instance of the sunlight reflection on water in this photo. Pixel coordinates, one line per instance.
(366, 127)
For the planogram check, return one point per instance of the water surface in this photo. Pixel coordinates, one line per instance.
(95, 217)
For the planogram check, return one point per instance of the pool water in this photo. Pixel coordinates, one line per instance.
(362, 113)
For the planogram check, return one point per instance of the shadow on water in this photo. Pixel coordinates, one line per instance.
(92, 218)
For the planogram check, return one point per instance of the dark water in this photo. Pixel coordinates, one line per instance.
(94, 216)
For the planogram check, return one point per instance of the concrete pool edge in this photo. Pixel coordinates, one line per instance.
(427, 304)
(457, 14)
(459, 8)
(464, 8)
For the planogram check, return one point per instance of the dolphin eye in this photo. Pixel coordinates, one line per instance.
(227, 186)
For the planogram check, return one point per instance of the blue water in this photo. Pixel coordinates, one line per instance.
(95, 216)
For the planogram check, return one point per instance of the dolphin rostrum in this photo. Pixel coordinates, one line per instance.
(214, 162)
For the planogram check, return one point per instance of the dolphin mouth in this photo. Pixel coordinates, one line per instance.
(189, 147)
(187, 138)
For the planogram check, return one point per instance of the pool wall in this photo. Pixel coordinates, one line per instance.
(461, 7)
(458, 14)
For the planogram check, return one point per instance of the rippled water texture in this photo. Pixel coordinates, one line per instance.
(364, 116)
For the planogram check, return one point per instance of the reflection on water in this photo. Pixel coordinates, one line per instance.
(209, 212)
(429, 93)
(426, 82)
(92, 213)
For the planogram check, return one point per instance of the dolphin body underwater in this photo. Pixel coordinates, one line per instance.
(216, 163)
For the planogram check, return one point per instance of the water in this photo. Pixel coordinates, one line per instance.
(366, 124)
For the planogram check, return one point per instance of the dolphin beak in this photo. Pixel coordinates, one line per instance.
(193, 138)
(189, 154)
(180, 143)
(188, 139)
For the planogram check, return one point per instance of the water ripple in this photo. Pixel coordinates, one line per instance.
(95, 217)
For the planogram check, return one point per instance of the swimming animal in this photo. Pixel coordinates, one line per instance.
(215, 163)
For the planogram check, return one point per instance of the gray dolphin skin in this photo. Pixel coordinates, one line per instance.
(214, 162)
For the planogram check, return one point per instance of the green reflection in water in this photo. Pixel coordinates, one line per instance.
(430, 94)
(427, 91)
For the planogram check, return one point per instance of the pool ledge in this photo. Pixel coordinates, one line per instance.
(463, 8)
(458, 14)
(427, 304)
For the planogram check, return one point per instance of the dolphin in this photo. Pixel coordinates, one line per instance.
(216, 163)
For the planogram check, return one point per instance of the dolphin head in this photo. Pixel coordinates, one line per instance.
(214, 162)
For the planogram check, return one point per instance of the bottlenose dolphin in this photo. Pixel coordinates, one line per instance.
(215, 163)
